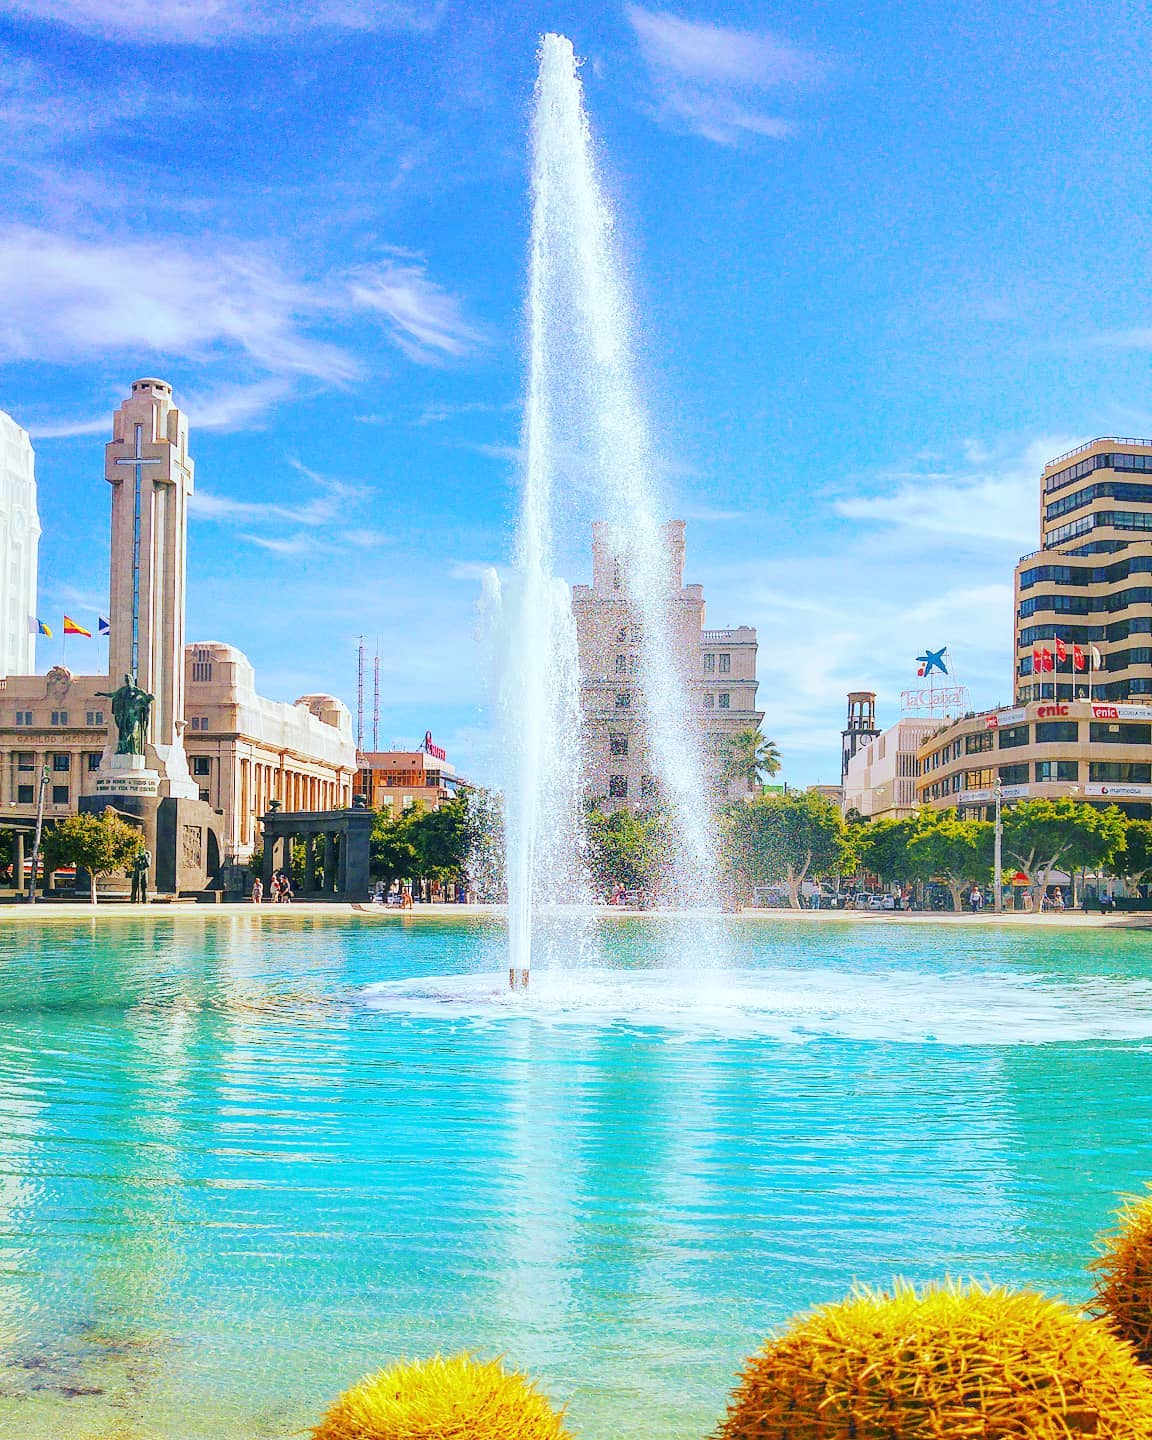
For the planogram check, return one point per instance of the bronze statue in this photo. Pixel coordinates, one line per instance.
(140, 867)
(131, 707)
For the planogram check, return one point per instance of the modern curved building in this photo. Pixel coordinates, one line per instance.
(19, 548)
(1086, 595)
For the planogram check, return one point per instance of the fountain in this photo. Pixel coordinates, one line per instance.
(584, 417)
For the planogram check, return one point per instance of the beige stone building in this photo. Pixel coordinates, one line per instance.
(216, 752)
(718, 668)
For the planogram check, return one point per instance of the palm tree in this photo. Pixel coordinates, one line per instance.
(750, 757)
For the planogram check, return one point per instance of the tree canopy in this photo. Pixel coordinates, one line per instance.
(749, 756)
(957, 851)
(785, 839)
(625, 848)
(100, 844)
(1041, 836)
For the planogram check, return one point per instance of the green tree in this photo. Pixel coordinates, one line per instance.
(749, 756)
(882, 847)
(624, 848)
(440, 839)
(99, 844)
(786, 839)
(392, 848)
(957, 851)
(1046, 835)
(1134, 862)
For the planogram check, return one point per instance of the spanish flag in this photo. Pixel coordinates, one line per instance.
(71, 628)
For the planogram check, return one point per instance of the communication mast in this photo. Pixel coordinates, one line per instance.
(360, 695)
(376, 698)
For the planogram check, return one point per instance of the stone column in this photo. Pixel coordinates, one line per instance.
(342, 864)
(329, 863)
(269, 863)
(310, 864)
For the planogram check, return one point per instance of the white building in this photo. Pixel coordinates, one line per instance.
(880, 779)
(19, 545)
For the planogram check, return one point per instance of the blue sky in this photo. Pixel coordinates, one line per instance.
(887, 259)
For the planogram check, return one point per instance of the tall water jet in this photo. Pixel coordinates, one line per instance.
(584, 417)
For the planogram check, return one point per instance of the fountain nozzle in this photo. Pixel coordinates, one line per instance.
(517, 978)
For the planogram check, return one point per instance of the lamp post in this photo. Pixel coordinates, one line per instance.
(997, 858)
(37, 835)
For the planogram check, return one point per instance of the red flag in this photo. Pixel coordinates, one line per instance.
(1061, 651)
(1046, 661)
(1036, 667)
(1077, 657)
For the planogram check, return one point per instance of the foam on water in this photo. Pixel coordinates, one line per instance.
(791, 1005)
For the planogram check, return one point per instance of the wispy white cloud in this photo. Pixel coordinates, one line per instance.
(988, 500)
(422, 318)
(220, 22)
(66, 298)
(320, 521)
(706, 77)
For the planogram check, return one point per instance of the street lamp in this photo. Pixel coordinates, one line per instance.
(38, 834)
(997, 859)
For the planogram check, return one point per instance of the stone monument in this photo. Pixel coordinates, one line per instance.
(144, 772)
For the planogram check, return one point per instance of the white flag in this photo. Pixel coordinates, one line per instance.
(1095, 658)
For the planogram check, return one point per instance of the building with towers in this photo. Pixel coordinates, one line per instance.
(214, 754)
(718, 668)
(19, 548)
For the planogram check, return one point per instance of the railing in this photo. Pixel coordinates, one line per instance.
(713, 635)
(1100, 440)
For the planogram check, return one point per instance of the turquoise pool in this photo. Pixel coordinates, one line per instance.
(244, 1158)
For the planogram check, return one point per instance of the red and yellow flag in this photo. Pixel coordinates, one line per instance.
(71, 628)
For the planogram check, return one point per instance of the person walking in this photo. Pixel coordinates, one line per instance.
(976, 900)
(257, 891)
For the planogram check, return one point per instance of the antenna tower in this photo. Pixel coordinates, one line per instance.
(360, 695)
(376, 698)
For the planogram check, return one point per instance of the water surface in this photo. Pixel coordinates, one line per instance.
(245, 1158)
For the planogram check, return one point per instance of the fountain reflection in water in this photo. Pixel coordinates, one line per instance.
(584, 418)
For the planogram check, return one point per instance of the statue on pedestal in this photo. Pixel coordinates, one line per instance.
(131, 707)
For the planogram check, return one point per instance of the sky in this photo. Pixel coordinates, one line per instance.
(886, 261)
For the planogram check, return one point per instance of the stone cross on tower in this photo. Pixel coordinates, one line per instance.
(150, 471)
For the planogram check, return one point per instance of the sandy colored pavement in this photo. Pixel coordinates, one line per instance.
(45, 911)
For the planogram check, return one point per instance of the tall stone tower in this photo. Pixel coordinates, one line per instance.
(150, 471)
(19, 547)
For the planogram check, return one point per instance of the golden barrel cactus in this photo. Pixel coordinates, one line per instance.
(457, 1398)
(948, 1363)
(1124, 1276)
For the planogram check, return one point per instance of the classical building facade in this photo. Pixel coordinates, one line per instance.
(718, 669)
(19, 548)
(216, 754)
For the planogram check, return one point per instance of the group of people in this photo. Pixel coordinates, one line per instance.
(279, 890)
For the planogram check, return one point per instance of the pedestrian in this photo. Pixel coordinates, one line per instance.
(1058, 899)
(977, 900)
(257, 891)
(285, 889)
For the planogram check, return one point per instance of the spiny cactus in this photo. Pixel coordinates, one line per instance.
(1124, 1276)
(457, 1398)
(952, 1361)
